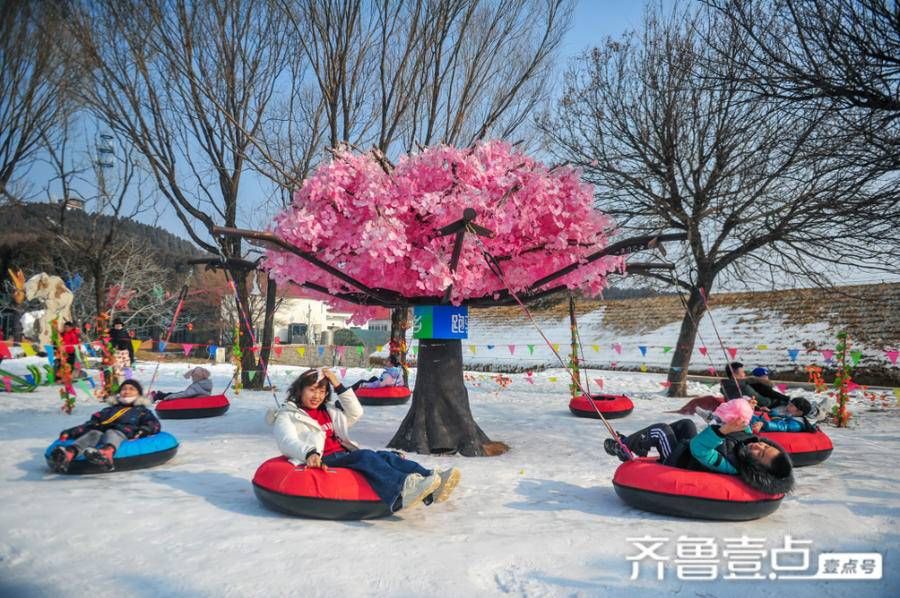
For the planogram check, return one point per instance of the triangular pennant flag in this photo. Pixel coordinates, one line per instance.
(712, 371)
(84, 387)
(703, 351)
(644, 367)
(666, 384)
(851, 386)
(49, 349)
(643, 350)
(343, 373)
(782, 388)
(892, 356)
(186, 347)
(5, 353)
(666, 349)
(301, 351)
(90, 350)
(7, 382)
(531, 349)
(897, 394)
(90, 380)
(762, 347)
(555, 347)
(135, 344)
(512, 349)
(254, 348)
(732, 351)
(490, 347)
(614, 364)
(162, 346)
(676, 368)
(278, 349)
(552, 378)
(415, 350)
(472, 349)
(251, 374)
(828, 354)
(596, 348)
(321, 350)
(793, 353)
(341, 349)
(212, 351)
(855, 355)
(378, 348)
(599, 382)
(29, 350)
(617, 348)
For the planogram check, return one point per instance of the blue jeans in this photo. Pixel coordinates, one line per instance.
(385, 471)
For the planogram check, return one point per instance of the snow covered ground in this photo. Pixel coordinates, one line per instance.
(542, 520)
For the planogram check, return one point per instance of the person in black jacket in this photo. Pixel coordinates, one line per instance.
(120, 339)
(99, 437)
(735, 385)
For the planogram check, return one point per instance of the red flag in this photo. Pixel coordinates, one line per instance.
(732, 351)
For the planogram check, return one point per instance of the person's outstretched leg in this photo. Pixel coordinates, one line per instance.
(387, 481)
(658, 436)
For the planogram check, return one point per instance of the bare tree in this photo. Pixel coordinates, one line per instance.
(189, 85)
(840, 54)
(754, 185)
(34, 77)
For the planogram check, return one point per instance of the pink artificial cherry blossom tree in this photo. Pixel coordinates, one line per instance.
(465, 226)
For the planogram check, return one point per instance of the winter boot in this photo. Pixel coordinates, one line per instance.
(449, 480)
(102, 456)
(614, 447)
(416, 488)
(61, 457)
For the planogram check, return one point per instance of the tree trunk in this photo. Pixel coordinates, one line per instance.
(399, 326)
(267, 335)
(684, 348)
(248, 360)
(439, 419)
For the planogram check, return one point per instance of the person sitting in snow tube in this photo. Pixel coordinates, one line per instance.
(98, 439)
(794, 428)
(728, 449)
(759, 381)
(386, 389)
(735, 385)
(312, 430)
(201, 386)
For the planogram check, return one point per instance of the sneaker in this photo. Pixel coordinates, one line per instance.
(416, 487)
(61, 457)
(614, 447)
(101, 456)
(449, 480)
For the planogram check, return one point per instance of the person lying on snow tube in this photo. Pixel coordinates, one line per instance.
(759, 381)
(797, 416)
(311, 429)
(201, 386)
(729, 448)
(391, 376)
(98, 438)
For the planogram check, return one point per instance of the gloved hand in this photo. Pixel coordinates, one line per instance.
(63, 436)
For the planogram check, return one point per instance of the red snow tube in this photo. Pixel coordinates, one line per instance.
(650, 486)
(386, 395)
(611, 406)
(337, 493)
(805, 448)
(192, 408)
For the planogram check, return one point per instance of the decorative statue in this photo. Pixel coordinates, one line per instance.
(57, 300)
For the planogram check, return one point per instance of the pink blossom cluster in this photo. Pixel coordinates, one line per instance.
(381, 229)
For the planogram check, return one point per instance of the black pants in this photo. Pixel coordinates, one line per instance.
(778, 399)
(669, 440)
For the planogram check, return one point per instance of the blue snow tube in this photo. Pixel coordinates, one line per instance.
(139, 453)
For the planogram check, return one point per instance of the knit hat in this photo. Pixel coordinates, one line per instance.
(802, 405)
(197, 374)
(760, 372)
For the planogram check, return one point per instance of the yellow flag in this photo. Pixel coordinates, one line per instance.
(29, 350)
(556, 347)
(472, 349)
(552, 378)
(378, 348)
(135, 344)
(897, 394)
(596, 348)
(301, 351)
(643, 367)
(762, 347)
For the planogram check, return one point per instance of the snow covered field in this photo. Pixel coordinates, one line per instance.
(542, 520)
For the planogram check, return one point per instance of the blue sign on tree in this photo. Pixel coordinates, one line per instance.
(441, 322)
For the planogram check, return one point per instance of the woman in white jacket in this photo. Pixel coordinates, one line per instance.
(311, 429)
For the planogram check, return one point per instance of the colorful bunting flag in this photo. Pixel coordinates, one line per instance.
(855, 356)
(782, 388)
(187, 348)
(555, 347)
(212, 351)
(321, 351)
(828, 354)
(712, 371)
(7, 382)
(49, 349)
(596, 348)
(703, 351)
(643, 350)
(378, 348)
(666, 384)
(531, 349)
(278, 349)
(512, 349)
(301, 351)
(5, 353)
(415, 350)
(676, 368)
(360, 350)
(162, 346)
(617, 348)
(666, 349)
(135, 344)
(251, 374)
(490, 347)
(84, 387)
(341, 349)
(762, 347)
(732, 351)
(529, 375)
(793, 353)
(552, 378)
(892, 356)
(29, 350)
(599, 382)
(472, 349)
